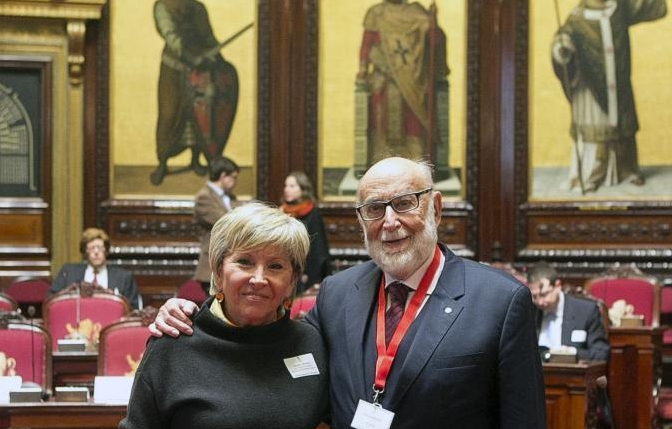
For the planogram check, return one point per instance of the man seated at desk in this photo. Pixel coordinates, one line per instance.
(565, 320)
(94, 245)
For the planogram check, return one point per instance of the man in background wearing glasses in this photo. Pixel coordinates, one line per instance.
(464, 352)
(94, 246)
(563, 320)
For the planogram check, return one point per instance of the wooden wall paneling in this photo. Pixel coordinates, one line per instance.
(305, 81)
(157, 241)
(96, 162)
(485, 27)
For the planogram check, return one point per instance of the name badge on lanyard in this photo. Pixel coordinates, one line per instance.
(372, 415)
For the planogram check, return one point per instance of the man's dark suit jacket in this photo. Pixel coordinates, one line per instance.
(117, 278)
(469, 360)
(582, 315)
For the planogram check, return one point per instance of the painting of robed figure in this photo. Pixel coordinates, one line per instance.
(591, 57)
(401, 87)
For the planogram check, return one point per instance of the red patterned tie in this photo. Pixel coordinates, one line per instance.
(396, 293)
(95, 277)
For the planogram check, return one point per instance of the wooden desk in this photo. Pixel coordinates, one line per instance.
(634, 374)
(74, 368)
(570, 394)
(61, 415)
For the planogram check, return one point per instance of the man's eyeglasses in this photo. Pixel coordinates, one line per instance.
(545, 288)
(401, 204)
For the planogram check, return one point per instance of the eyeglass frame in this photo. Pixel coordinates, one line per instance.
(545, 293)
(417, 195)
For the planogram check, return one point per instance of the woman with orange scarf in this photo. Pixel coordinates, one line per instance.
(298, 201)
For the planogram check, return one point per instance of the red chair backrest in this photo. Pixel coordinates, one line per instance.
(33, 290)
(301, 306)
(67, 313)
(193, 291)
(643, 293)
(25, 350)
(7, 303)
(121, 347)
(666, 314)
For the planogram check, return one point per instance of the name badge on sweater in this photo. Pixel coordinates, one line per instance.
(302, 366)
(371, 416)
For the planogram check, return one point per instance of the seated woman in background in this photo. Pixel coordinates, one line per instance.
(247, 364)
(299, 201)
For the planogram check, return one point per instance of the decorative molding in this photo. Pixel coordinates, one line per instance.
(471, 175)
(604, 231)
(152, 228)
(521, 149)
(589, 256)
(76, 32)
(263, 98)
(310, 136)
(66, 9)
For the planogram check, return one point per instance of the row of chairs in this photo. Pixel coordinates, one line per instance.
(26, 348)
(90, 313)
(29, 293)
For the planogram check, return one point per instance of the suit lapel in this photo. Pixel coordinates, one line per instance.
(216, 198)
(435, 320)
(567, 322)
(112, 280)
(358, 312)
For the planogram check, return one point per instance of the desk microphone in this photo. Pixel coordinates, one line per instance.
(31, 314)
(33, 384)
(78, 307)
(605, 419)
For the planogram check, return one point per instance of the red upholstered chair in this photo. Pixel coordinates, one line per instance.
(192, 290)
(82, 311)
(25, 350)
(666, 352)
(29, 292)
(302, 305)
(7, 303)
(630, 284)
(121, 346)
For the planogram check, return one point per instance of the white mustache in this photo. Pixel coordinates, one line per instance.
(396, 235)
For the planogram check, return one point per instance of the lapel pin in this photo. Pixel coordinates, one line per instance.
(448, 310)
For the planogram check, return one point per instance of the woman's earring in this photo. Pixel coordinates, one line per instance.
(219, 296)
(287, 303)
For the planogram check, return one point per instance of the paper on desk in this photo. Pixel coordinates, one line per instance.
(7, 383)
(112, 389)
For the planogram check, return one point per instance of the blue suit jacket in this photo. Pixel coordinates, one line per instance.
(469, 360)
(117, 277)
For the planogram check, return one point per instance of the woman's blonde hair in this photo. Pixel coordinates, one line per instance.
(256, 225)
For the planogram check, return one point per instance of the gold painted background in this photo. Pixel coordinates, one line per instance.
(651, 43)
(340, 39)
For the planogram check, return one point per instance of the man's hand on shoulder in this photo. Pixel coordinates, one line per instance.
(173, 318)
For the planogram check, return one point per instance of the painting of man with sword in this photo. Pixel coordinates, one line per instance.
(197, 91)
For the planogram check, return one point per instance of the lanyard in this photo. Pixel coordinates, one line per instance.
(386, 354)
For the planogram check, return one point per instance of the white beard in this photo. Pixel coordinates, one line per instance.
(402, 264)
